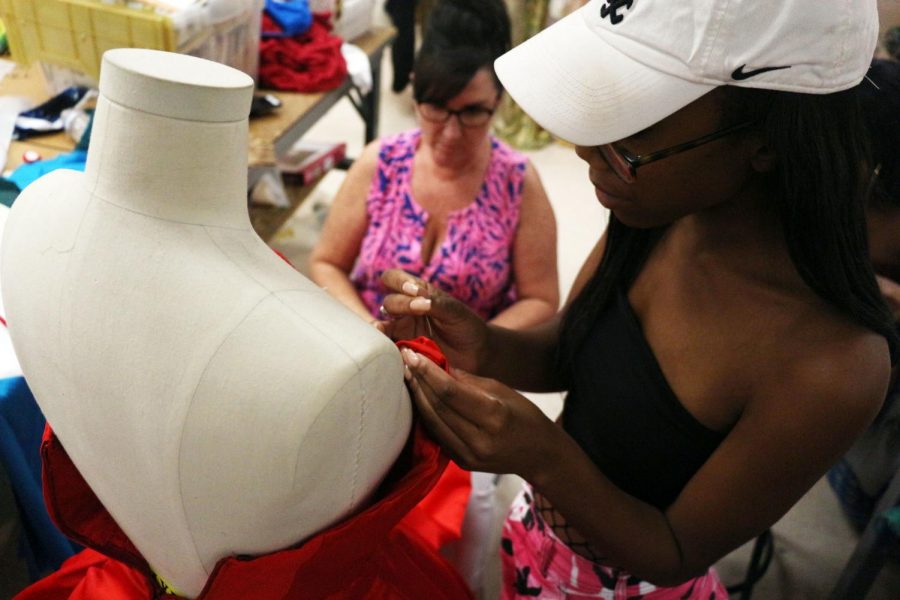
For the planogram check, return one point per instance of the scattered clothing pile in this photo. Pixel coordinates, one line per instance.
(298, 51)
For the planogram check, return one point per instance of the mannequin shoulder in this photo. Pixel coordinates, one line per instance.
(310, 330)
(56, 186)
(54, 196)
(48, 211)
(297, 346)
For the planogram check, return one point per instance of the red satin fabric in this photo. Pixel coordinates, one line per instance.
(90, 575)
(438, 518)
(368, 556)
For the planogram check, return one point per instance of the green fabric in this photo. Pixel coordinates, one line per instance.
(892, 518)
(8, 192)
(892, 42)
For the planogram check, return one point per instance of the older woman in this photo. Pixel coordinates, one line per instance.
(447, 202)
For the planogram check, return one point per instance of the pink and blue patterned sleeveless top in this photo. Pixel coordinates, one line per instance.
(473, 262)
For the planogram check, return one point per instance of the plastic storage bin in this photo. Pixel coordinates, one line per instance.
(355, 18)
(351, 18)
(69, 37)
(330, 6)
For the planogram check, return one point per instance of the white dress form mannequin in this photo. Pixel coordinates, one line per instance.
(215, 400)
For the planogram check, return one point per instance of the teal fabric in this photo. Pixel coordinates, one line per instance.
(892, 517)
(9, 191)
(43, 546)
(26, 174)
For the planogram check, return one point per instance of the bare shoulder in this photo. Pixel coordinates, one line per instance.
(368, 159)
(347, 219)
(820, 384)
(838, 374)
(359, 177)
(534, 196)
(532, 180)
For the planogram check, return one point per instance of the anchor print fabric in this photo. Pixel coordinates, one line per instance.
(537, 564)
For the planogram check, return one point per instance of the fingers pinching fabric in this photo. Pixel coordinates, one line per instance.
(439, 516)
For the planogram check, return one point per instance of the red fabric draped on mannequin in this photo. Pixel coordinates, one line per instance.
(438, 518)
(367, 556)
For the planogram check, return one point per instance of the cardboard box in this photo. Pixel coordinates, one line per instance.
(308, 161)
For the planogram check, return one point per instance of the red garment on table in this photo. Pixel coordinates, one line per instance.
(367, 556)
(311, 62)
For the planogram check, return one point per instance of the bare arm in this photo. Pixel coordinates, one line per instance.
(786, 439)
(791, 431)
(336, 251)
(534, 259)
(527, 360)
(524, 359)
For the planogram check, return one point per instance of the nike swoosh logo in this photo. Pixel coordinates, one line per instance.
(739, 74)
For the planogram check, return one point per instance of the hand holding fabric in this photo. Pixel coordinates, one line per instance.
(417, 308)
(482, 424)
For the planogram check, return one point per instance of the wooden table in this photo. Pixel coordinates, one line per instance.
(273, 135)
(270, 136)
(28, 82)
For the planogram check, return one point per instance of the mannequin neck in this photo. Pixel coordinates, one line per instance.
(180, 170)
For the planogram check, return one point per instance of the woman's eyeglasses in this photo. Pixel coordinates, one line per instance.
(470, 116)
(625, 164)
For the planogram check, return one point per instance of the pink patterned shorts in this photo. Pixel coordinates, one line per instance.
(537, 564)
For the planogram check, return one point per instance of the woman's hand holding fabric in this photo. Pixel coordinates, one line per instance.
(482, 424)
(415, 308)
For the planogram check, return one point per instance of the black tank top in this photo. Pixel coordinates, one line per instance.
(622, 412)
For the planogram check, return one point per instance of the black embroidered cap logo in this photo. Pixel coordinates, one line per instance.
(740, 74)
(611, 10)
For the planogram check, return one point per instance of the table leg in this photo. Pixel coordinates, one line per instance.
(373, 99)
(870, 553)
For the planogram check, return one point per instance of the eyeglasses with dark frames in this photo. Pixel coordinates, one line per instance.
(470, 116)
(625, 164)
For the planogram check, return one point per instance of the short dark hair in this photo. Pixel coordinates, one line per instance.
(880, 97)
(818, 193)
(461, 37)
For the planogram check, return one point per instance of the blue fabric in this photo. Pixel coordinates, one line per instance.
(293, 16)
(44, 548)
(857, 505)
(48, 116)
(27, 173)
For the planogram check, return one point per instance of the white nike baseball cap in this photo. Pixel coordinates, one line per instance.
(615, 67)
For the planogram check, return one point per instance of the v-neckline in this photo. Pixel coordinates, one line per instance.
(423, 216)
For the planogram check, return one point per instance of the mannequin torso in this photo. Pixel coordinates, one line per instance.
(215, 400)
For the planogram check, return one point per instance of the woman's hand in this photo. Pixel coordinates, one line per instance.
(482, 424)
(416, 308)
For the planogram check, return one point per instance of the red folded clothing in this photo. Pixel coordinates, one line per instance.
(311, 62)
